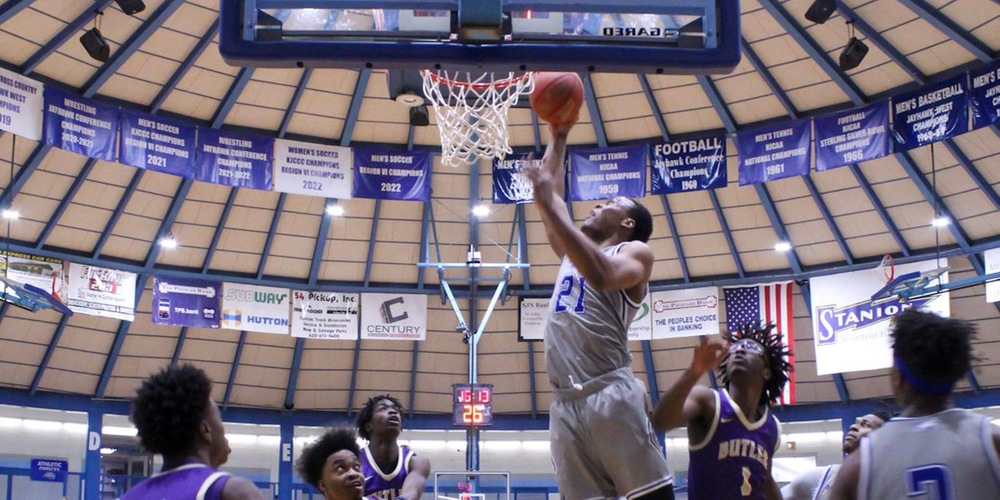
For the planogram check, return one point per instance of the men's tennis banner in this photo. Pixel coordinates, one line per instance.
(392, 175)
(325, 315)
(852, 136)
(774, 152)
(21, 101)
(156, 143)
(312, 169)
(99, 291)
(80, 125)
(391, 316)
(761, 305)
(598, 174)
(186, 302)
(687, 312)
(531, 312)
(688, 165)
(233, 159)
(510, 184)
(931, 113)
(255, 308)
(850, 330)
(985, 95)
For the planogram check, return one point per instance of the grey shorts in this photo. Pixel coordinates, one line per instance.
(603, 445)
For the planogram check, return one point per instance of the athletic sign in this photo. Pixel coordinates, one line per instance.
(156, 143)
(312, 169)
(774, 152)
(985, 95)
(392, 175)
(21, 101)
(932, 113)
(80, 125)
(688, 165)
(852, 136)
(599, 174)
(234, 159)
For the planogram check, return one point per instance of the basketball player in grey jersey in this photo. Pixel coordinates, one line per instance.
(599, 405)
(931, 450)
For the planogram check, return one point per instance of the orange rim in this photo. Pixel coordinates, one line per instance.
(478, 87)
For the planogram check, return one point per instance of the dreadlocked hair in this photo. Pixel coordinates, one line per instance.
(168, 409)
(775, 354)
(366, 413)
(310, 464)
(934, 348)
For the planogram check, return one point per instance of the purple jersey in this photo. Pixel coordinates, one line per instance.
(187, 482)
(385, 485)
(732, 461)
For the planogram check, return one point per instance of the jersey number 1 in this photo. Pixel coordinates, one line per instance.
(567, 290)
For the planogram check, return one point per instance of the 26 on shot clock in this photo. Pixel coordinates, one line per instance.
(473, 405)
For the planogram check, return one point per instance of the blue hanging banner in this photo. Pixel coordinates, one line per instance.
(79, 125)
(156, 143)
(852, 136)
(774, 152)
(510, 185)
(985, 95)
(932, 113)
(392, 175)
(599, 174)
(186, 302)
(53, 471)
(688, 165)
(234, 159)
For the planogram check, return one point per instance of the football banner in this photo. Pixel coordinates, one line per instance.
(21, 101)
(685, 313)
(531, 312)
(852, 136)
(99, 291)
(325, 315)
(683, 166)
(391, 316)
(255, 308)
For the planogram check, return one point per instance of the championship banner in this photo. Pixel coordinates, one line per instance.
(599, 174)
(850, 330)
(325, 315)
(992, 262)
(186, 302)
(53, 471)
(932, 113)
(774, 152)
(390, 316)
(532, 312)
(37, 271)
(312, 169)
(392, 175)
(21, 101)
(641, 327)
(685, 313)
(79, 125)
(234, 159)
(985, 95)
(255, 308)
(765, 304)
(99, 291)
(683, 166)
(510, 185)
(852, 136)
(155, 143)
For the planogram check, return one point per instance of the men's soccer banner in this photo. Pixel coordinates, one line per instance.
(255, 308)
(312, 169)
(156, 143)
(852, 136)
(641, 327)
(531, 312)
(774, 152)
(510, 184)
(992, 262)
(79, 125)
(325, 315)
(850, 330)
(391, 316)
(985, 95)
(392, 175)
(685, 313)
(186, 302)
(99, 291)
(683, 166)
(21, 101)
(233, 159)
(931, 113)
(598, 174)
(37, 271)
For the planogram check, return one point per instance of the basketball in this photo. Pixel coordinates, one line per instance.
(557, 97)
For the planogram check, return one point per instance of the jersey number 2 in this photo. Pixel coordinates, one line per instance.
(921, 481)
(566, 290)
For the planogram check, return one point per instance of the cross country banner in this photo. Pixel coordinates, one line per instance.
(390, 316)
(79, 125)
(985, 95)
(325, 315)
(850, 330)
(685, 313)
(255, 308)
(392, 175)
(232, 159)
(510, 184)
(186, 302)
(99, 291)
(932, 113)
(312, 169)
(531, 313)
(21, 101)
(156, 143)
(677, 167)
(774, 152)
(599, 174)
(852, 136)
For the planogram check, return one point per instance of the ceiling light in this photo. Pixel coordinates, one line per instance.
(10, 214)
(10, 422)
(940, 221)
(108, 451)
(42, 425)
(782, 246)
(111, 430)
(481, 210)
(335, 210)
(168, 242)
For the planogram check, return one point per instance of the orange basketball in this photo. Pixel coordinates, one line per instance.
(557, 97)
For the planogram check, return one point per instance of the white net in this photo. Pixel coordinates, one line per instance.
(472, 114)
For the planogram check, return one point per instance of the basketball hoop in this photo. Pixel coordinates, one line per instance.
(472, 114)
(887, 268)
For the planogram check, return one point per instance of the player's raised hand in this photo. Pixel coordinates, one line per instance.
(707, 355)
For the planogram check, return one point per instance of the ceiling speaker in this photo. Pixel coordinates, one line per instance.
(131, 7)
(419, 116)
(96, 45)
(853, 54)
(821, 10)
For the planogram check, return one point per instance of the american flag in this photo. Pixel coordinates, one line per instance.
(771, 303)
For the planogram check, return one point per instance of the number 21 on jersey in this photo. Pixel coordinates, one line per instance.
(565, 297)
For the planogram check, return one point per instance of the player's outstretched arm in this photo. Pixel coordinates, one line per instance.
(548, 178)
(416, 478)
(845, 487)
(685, 401)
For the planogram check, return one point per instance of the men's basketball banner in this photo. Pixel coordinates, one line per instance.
(985, 95)
(599, 174)
(21, 101)
(765, 304)
(312, 169)
(932, 113)
(392, 175)
(390, 316)
(99, 291)
(992, 262)
(233, 159)
(852, 136)
(255, 308)
(685, 313)
(510, 184)
(688, 165)
(641, 327)
(186, 302)
(37, 271)
(325, 315)
(532, 312)
(774, 152)
(850, 330)
(80, 125)
(156, 143)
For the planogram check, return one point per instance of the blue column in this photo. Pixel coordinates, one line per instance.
(92, 460)
(285, 475)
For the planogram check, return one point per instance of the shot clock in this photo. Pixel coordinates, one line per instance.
(473, 405)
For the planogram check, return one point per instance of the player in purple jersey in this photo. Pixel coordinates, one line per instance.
(331, 464)
(391, 471)
(732, 436)
(176, 418)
